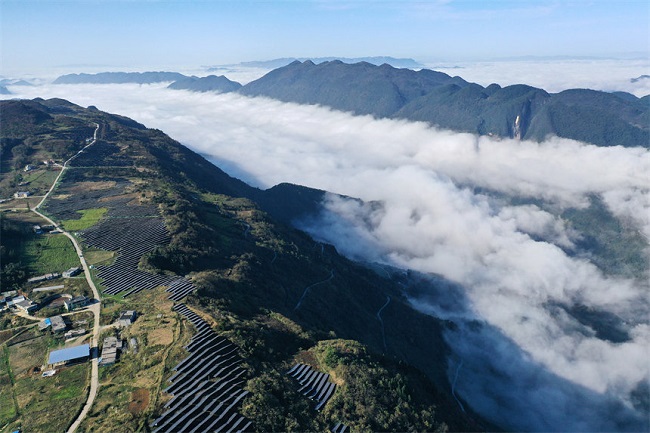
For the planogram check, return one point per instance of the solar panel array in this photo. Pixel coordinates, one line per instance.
(339, 428)
(132, 238)
(102, 154)
(206, 387)
(315, 385)
(66, 201)
(129, 230)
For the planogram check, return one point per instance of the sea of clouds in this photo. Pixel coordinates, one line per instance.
(519, 359)
(554, 75)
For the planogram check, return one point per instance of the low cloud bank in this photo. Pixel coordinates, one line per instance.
(556, 75)
(479, 212)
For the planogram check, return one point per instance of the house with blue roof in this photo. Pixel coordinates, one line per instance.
(69, 355)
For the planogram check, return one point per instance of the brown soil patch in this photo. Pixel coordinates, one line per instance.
(164, 336)
(245, 213)
(306, 357)
(6, 335)
(139, 401)
(57, 303)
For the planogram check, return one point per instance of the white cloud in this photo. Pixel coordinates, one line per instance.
(555, 75)
(507, 261)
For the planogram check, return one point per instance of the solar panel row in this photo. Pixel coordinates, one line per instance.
(206, 387)
(315, 385)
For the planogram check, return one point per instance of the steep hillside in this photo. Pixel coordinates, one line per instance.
(604, 119)
(277, 295)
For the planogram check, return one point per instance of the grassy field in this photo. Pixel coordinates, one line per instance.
(89, 217)
(25, 217)
(20, 204)
(131, 389)
(96, 257)
(7, 401)
(40, 180)
(44, 404)
(50, 253)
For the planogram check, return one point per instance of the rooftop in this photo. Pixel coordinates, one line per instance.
(69, 354)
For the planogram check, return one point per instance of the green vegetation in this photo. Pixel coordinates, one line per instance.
(8, 410)
(35, 395)
(40, 180)
(50, 253)
(375, 395)
(31, 135)
(24, 253)
(96, 257)
(615, 247)
(89, 217)
(14, 235)
(601, 118)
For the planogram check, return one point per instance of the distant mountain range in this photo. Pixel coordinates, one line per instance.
(377, 60)
(119, 78)
(10, 82)
(4, 91)
(363, 88)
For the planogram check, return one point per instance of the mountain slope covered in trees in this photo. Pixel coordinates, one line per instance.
(601, 118)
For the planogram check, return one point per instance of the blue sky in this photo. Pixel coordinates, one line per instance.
(154, 34)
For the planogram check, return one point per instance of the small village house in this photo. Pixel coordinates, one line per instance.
(126, 318)
(109, 350)
(76, 302)
(72, 272)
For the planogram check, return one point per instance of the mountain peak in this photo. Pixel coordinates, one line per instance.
(361, 88)
(211, 83)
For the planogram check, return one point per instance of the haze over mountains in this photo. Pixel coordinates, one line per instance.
(516, 111)
(378, 60)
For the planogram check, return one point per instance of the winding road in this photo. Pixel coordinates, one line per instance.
(95, 308)
(383, 331)
(309, 287)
